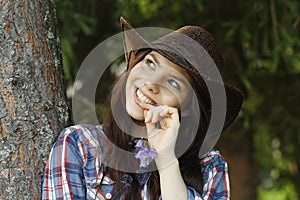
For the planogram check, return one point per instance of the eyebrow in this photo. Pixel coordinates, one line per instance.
(154, 58)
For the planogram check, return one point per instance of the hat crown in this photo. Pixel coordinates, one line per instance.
(198, 35)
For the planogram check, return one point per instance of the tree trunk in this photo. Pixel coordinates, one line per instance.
(33, 106)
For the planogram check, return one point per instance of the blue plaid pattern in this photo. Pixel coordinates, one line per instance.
(73, 169)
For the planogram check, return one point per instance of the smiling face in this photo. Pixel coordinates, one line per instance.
(157, 81)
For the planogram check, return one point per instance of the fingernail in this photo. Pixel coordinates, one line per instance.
(147, 119)
(154, 120)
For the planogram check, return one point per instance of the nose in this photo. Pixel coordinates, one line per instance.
(152, 87)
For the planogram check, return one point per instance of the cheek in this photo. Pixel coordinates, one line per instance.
(130, 79)
(189, 104)
(127, 87)
(133, 75)
(171, 99)
(181, 100)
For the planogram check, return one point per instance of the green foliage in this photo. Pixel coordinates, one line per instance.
(166, 13)
(73, 19)
(286, 192)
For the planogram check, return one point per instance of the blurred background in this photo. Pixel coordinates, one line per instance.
(260, 40)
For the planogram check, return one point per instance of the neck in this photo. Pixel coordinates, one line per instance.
(138, 130)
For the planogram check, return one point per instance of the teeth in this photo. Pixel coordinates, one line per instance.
(142, 98)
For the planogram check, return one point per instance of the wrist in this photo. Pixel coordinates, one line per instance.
(165, 161)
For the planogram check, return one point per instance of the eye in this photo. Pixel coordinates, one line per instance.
(150, 64)
(173, 83)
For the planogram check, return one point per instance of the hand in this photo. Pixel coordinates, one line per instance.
(162, 123)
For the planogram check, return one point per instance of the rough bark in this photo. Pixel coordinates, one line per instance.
(33, 107)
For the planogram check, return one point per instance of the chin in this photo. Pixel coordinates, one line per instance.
(135, 114)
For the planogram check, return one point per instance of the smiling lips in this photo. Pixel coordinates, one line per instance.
(143, 99)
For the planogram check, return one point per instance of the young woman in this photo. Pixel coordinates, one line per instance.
(161, 117)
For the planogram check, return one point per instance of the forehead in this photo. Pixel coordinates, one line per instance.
(163, 61)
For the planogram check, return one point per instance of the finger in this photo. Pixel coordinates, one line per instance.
(150, 127)
(146, 106)
(152, 114)
(168, 112)
(147, 116)
(157, 113)
(155, 116)
(171, 117)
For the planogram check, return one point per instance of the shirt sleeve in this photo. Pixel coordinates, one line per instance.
(63, 174)
(215, 177)
(193, 194)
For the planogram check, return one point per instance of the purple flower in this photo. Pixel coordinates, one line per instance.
(139, 144)
(144, 163)
(143, 154)
(146, 156)
(153, 154)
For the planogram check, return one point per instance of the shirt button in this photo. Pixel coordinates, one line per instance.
(108, 195)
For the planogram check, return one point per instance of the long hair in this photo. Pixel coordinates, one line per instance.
(189, 161)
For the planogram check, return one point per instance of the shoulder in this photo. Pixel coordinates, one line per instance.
(86, 138)
(82, 129)
(213, 160)
(82, 133)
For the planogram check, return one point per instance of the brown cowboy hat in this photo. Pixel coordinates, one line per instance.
(194, 49)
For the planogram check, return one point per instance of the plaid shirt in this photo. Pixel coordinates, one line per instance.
(73, 169)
